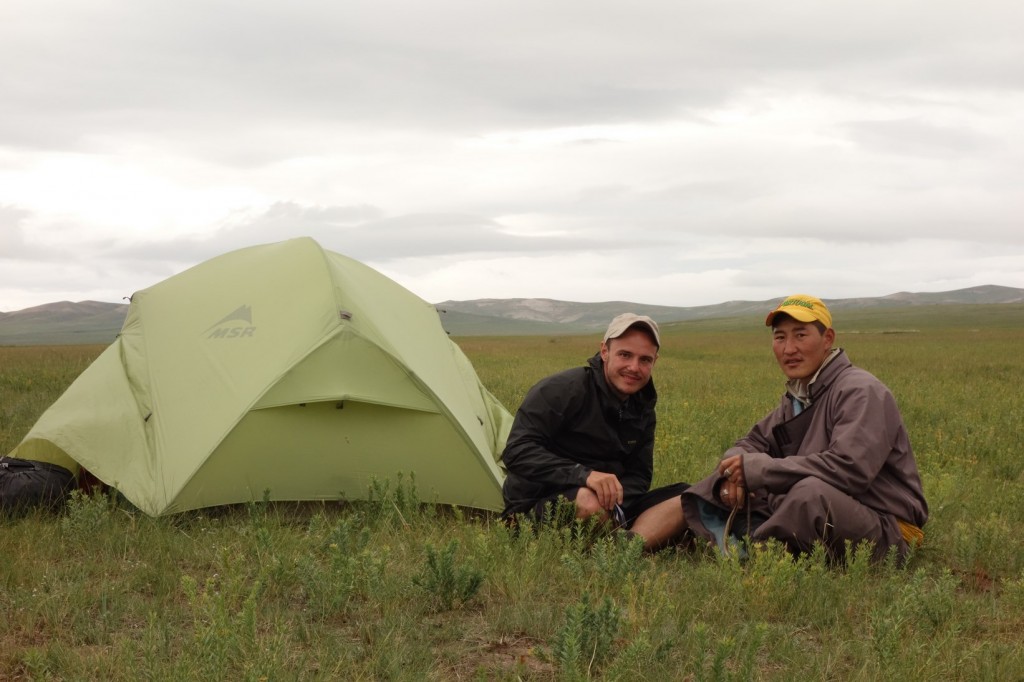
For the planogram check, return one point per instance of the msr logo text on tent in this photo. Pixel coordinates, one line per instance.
(231, 332)
(235, 325)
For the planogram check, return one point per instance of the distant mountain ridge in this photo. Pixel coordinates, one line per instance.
(543, 313)
(84, 322)
(63, 323)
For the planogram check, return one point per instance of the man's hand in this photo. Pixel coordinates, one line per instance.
(733, 491)
(731, 469)
(732, 495)
(606, 487)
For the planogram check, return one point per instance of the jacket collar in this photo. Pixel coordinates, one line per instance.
(806, 391)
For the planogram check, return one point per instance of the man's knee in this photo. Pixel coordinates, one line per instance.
(812, 493)
(587, 504)
(812, 510)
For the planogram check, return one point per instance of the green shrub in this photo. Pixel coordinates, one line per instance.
(446, 583)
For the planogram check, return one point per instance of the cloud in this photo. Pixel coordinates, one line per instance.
(519, 148)
(12, 239)
(916, 137)
(362, 232)
(171, 71)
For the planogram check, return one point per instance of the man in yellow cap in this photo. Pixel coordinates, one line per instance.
(586, 436)
(831, 464)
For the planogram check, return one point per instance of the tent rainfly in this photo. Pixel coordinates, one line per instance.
(282, 369)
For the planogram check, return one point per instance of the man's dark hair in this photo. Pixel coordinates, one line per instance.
(646, 330)
(784, 316)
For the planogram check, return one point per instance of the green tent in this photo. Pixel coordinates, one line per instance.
(283, 368)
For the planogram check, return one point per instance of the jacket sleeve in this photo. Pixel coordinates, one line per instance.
(863, 424)
(528, 452)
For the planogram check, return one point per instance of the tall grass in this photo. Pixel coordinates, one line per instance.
(393, 589)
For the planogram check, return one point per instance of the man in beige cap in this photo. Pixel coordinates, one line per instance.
(586, 436)
(832, 464)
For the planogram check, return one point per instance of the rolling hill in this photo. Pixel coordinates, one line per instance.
(63, 323)
(66, 323)
(540, 315)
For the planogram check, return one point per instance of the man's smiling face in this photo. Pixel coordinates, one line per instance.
(628, 361)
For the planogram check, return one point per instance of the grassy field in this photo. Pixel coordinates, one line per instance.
(395, 589)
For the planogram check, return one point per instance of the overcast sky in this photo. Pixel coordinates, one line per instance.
(668, 152)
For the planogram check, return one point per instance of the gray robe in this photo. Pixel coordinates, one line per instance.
(841, 471)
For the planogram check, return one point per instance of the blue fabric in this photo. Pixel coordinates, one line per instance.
(713, 519)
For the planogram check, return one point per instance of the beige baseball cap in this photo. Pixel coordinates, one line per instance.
(624, 321)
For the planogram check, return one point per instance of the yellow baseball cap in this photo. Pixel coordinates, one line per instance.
(804, 308)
